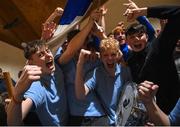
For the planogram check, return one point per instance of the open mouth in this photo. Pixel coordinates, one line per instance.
(138, 46)
(49, 64)
(110, 65)
(121, 38)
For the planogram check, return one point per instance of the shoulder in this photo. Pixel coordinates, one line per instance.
(36, 93)
(36, 88)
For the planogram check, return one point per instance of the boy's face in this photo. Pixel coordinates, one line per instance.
(110, 58)
(44, 59)
(120, 36)
(137, 41)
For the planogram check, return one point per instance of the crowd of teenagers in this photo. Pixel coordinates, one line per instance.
(82, 84)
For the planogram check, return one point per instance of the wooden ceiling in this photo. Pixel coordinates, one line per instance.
(21, 20)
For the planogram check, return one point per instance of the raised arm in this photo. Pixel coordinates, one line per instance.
(162, 12)
(57, 12)
(147, 91)
(77, 42)
(18, 108)
(80, 88)
(101, 21)
(142, 19)
(150, 30)
(98, 31)
(49, 26)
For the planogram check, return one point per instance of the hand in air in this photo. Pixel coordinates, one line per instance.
(147, 91)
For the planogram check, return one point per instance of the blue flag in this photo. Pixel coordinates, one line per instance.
(74, 12)
(73, 9)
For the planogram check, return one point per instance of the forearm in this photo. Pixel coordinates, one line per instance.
(80, 38)
(156, 115)
(18, 108)
(102, 22)
(164, 12)
(150, 30)
(76, 43)
(51, 17)
(79, 82)
(21, 88)
(103, 36)
(57, 12)
(142, 11)
(14, 114)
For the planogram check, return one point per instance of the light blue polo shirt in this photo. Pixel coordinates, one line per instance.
(174, 116)
(109, 88)
(49, 99)
(90, 106)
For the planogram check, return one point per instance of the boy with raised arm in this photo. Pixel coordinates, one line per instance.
(87, 112)
(41, 85)
(40, 88)
(158, 65)
(107, 80)
(147, 91)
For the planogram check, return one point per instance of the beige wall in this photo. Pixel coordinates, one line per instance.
(116, 10)
(11, 59)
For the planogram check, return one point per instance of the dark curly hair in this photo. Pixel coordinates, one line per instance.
(32, 47)
(135, 28)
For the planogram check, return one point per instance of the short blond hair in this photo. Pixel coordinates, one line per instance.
(109, 44)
